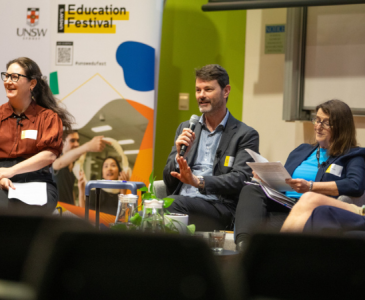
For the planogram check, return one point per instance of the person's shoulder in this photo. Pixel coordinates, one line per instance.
(4, 107)
(241, 125)
(303, 147)
(184, 124)
(355, 151)
(45, 112)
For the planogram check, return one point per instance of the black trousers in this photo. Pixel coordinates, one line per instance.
(207, 215)
(16, 206)
(253, 210)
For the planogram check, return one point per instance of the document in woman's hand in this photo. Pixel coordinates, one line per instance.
(272, 173)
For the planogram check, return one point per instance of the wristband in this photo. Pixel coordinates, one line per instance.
(310, 185)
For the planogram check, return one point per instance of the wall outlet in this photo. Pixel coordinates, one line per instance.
(183, 101)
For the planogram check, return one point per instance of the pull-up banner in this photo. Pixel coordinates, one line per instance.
(101, 59)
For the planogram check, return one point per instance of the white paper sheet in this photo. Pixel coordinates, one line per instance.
(32, 193)
(256, 157)
(273, 173)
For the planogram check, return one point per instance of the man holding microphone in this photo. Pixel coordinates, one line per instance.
(206, 168)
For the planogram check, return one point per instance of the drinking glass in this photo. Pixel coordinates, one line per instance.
(216, 240)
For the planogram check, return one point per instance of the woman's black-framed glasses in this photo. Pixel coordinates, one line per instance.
(14, 76)
(324, 124)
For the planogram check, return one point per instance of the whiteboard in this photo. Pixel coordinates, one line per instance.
(335, 55)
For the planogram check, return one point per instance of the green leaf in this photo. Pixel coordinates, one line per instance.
(167, 202)
(136, 219)
(152, 180)
(191, 228)
(143, 189)
(146, 196)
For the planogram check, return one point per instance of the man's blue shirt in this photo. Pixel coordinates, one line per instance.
(203, 164)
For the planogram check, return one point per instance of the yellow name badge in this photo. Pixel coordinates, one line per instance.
(335, 170)
(29, 134)
(228, 162)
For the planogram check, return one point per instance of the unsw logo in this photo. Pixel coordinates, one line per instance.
(32, 20)
(33, 16)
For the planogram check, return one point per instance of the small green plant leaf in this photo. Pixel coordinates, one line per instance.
(152, 180)
(146, 196)
(167, 202)
(143, 189)
(136, 219)
(191, 228)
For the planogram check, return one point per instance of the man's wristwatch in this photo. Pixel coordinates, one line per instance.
(201, 183)
(310, 185)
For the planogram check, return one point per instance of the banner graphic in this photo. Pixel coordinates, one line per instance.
(101, 59)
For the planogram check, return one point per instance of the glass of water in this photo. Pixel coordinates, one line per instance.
(216, 240)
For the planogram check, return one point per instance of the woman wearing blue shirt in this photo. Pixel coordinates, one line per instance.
(334, 166)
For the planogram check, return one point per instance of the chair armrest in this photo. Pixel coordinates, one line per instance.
(159, 189)
(359, 201)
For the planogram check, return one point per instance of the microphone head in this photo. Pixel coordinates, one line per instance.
(194, 119)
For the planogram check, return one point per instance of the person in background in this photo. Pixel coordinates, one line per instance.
(333, 166)
(111, 170)
(63, 166)
(31, 126)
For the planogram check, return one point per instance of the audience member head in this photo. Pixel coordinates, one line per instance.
(110, 169)
(71, 140)
(39, 90)
(341, 133)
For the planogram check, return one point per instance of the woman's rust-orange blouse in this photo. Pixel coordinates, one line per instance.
(41, 129)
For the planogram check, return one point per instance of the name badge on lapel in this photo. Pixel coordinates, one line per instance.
(335, 170)
(229, 161)
(29, 134)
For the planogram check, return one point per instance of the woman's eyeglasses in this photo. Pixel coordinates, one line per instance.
(324, 124)
(14, 77)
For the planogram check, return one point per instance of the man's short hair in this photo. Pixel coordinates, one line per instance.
(66, 133)
(213, 72)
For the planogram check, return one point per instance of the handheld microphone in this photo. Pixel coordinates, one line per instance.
(194, 119)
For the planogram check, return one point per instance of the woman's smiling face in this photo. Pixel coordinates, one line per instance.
(20, 89)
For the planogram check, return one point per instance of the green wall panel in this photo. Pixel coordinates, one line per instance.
(191, 39)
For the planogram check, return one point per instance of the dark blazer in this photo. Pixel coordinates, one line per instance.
(226, 182)
(352, 179)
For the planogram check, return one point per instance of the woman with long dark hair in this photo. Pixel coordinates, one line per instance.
(31, 126)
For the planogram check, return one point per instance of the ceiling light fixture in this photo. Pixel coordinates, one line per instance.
(101, 128)
(126, 142)
(130, 152)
